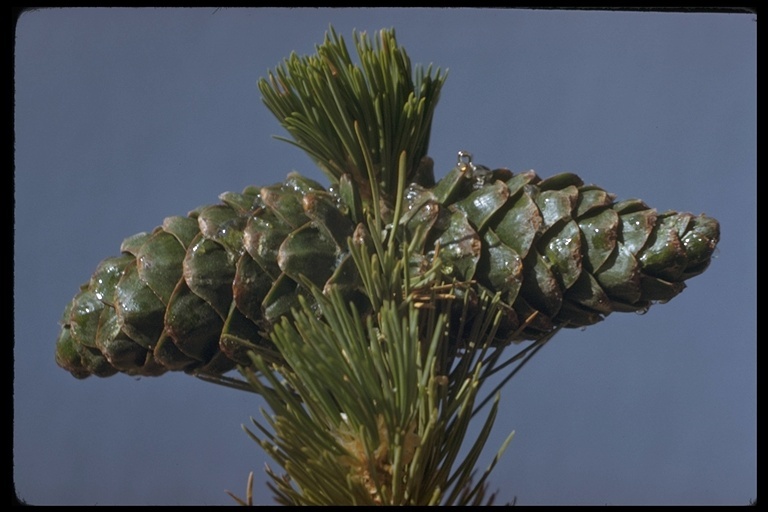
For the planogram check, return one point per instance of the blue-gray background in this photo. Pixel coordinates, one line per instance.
(126, 116)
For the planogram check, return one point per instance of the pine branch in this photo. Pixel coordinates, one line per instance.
(370, 315)
(374, 409)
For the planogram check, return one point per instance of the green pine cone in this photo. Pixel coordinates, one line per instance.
(200, 291)
(559, 252)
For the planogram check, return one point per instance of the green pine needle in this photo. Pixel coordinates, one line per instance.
(359, 415)
(338, 111)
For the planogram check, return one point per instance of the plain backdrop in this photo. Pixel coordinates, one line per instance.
(126, 116)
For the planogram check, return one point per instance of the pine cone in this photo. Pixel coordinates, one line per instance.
(199, 291)
(561, 253)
